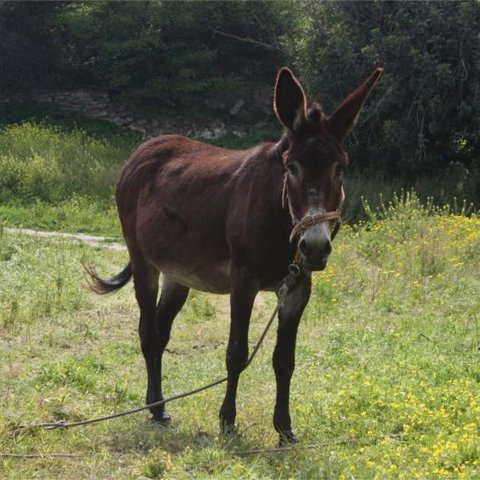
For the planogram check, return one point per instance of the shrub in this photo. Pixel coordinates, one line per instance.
(45, 163)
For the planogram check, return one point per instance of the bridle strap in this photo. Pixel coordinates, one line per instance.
(336, 228)
(295, 268)
(308, 221)
(286, 200)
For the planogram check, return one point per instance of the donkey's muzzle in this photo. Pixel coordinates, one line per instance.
(315, 250)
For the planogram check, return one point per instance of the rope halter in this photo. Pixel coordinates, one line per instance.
(299, 226)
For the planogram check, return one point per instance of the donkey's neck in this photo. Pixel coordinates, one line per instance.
(280, 210)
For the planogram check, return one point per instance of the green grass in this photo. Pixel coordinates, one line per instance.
(51, 165)
(387, 375)
(78, 214)
(56, 178)
(59, 171)
(51, 116)
(386, 385)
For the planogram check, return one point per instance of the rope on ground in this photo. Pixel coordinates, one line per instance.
(38, 455)
(65, 425)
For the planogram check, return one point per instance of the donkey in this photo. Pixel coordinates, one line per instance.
(221, 221)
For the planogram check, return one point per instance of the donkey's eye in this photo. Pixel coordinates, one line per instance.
(292, 168)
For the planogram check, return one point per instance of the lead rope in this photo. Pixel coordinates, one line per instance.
(285, 285)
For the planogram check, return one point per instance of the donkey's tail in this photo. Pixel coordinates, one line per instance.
(101, 286)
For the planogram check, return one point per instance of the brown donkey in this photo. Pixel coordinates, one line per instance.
(221, 221)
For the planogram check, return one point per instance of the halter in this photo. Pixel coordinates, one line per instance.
(299, 226)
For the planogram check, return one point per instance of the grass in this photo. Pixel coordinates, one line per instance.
(386, 385)
(387, 360)
(51, 165)
(59, 172)
(51, 116)
(79, 214)
(56, 179)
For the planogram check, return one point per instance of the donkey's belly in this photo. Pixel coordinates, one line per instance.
(212, 278)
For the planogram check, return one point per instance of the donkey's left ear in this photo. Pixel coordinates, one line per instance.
(346, 115)
(289, 101)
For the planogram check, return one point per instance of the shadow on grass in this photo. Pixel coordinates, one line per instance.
(145, 435)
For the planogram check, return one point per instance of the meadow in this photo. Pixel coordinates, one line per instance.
(59, 171)
(386, 385)
(388, 354)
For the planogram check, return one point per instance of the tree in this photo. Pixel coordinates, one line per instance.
(29, 45)
(426, 111)
(160, 51)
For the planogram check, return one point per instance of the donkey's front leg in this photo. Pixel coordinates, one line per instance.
(284, 353)
(241, 303)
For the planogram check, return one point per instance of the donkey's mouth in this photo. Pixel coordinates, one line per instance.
(315, 266)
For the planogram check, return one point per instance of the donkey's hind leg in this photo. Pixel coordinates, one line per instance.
(171, 301)
(155, 323)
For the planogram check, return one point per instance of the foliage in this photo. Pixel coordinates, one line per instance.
(423, 117)
(386, 384)
(30, 56)
(50, 115)
(168, 53)
(374, 191)
(425, 112)
(45, 163)
(171, 52)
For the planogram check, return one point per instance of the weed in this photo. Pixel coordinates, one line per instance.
(44, 163)
(157, 464)
(201, 307)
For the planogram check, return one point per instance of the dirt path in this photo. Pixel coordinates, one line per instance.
(92, 240)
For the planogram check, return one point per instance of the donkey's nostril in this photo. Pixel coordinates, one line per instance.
(302, 246)
(315, 250)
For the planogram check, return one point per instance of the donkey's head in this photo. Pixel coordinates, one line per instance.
(314, 151)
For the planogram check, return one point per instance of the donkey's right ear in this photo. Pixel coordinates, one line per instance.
(289, 101)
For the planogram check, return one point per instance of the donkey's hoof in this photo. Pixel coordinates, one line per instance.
(287, 437)
(228, 429)
(162, 418)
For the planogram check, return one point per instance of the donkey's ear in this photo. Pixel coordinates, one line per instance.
(346, 115)
(289, 101)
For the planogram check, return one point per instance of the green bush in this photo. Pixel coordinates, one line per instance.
(424, 113)
(51, 115)
(45, 163)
